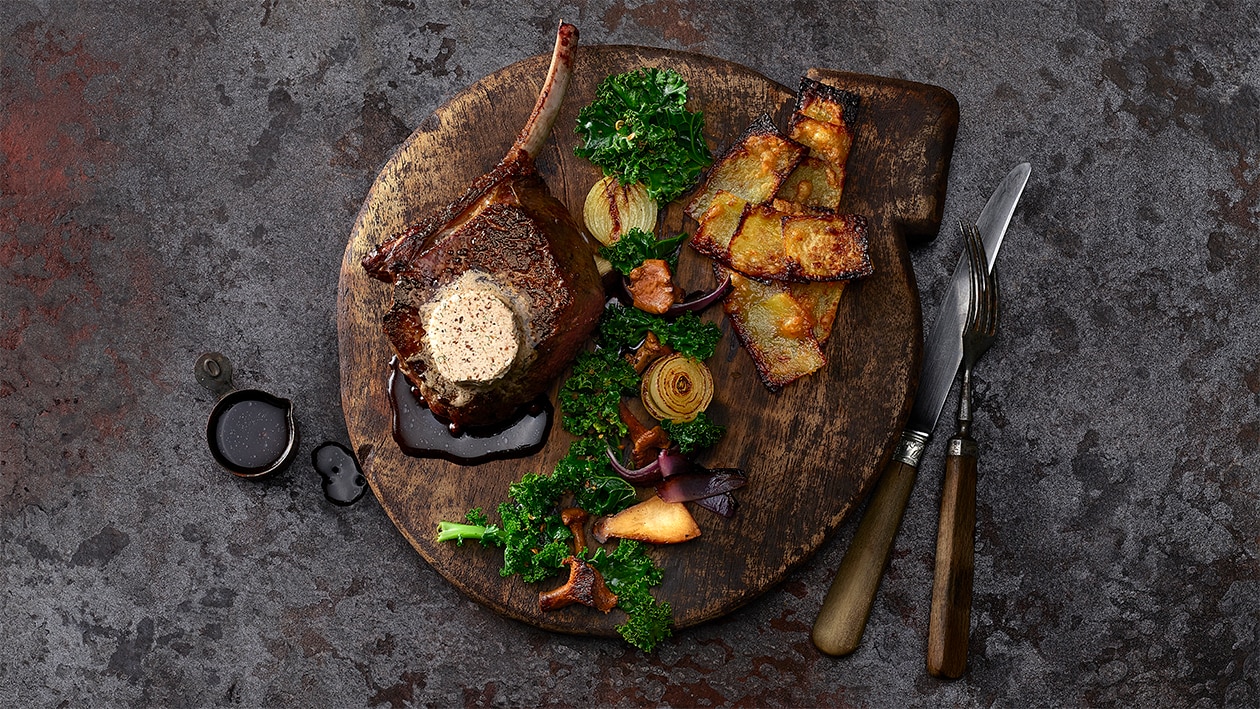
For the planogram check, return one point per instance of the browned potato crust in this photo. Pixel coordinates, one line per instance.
(826, 248)
(798, 246)
(757, 247)
(775, 329)
(828, 141)
(814, 183)
(821, 300)
(788, 252)
(752, 169)
(827, 103)
(719, 223)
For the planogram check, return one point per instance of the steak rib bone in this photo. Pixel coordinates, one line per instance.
(538, 127)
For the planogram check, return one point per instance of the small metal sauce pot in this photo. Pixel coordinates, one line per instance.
(214, 372)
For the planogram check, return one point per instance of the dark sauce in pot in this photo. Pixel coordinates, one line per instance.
(420, 433)
(252, 434)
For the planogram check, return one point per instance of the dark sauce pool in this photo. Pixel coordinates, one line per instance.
(343, 480)
(252, 435)
(420, 433)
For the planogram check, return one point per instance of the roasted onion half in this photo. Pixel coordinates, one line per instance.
(612, 209)
(676, 388)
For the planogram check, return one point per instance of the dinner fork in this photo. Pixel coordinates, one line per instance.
(950, 620)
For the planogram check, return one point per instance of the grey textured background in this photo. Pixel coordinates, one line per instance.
(179, 177)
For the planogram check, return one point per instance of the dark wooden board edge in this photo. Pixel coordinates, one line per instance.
(923, 202)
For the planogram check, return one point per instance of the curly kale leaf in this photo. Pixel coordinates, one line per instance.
(623, 328)
(534, 538)
(589, 398)
(587, 474)
(636, 246)
(694, 435)
(639, 129)
(691, 336)
(631, 574)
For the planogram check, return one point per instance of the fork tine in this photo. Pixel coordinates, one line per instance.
(986, 280)
(975, 251)
(992, 304)
(972, 285)
(990, 301)
(982, 254)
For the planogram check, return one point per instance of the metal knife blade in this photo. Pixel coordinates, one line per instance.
(942, 350)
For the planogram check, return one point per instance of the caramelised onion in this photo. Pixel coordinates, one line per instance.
(676, 388)
(612, 209)
(704, 301)
(603, 266)
(697, 486)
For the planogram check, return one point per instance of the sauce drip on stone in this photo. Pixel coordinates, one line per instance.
(344, 483)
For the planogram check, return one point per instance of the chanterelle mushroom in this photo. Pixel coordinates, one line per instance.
(585, 586)
(575, 519)
(647, 442)
(652, 287)
(651, 350)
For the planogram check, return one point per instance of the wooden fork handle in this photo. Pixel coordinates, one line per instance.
(842, 619)
(950, 620)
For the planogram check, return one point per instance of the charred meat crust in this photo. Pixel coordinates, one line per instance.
(507, 238)
(390, 257)
(396, 255)
(563, 303)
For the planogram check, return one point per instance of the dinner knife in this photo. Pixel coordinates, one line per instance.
(842, 618)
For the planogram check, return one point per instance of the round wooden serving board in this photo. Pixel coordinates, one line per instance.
(811, 451)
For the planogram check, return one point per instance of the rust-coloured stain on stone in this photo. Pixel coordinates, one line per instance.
(50, 139)
(671, 18)
(58, 100)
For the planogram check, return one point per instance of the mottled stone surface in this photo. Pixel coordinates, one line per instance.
(175, 179)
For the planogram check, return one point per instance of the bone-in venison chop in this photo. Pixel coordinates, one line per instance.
(495, 293)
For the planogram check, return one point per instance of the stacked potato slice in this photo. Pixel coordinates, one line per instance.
(767, 215)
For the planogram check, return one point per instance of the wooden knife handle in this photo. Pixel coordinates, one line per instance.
(842, 619)
(950, 621)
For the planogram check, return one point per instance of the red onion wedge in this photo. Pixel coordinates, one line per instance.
(703, 301)
(723, 504)
(646, 475)
(673, 463)
(697, 486)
